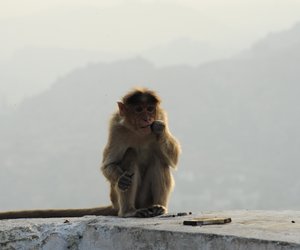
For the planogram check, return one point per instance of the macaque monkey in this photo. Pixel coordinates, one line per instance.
(139, 155)
(137, 162)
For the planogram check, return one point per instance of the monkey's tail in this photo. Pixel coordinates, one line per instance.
(55, 213)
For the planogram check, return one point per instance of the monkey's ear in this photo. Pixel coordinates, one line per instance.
(122, 108)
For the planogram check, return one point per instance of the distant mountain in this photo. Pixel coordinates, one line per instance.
(32, 70)
(275, 43)
(237, 119)
(185, 51)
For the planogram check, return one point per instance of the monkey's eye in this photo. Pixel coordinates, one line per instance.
(150, 109)
(138, 109)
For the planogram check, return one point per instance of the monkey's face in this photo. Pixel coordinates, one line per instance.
(139, 110)
(143, 115)
(139, 116)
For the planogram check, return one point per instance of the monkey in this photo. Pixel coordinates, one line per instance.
(138, 156)
(137, 162)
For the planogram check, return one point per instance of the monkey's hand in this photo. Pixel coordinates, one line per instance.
(158, 127)
(125, 181)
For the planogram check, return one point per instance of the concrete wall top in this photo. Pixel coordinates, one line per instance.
(248, 230)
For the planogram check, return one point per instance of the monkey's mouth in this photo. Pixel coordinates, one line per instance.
(146, 126)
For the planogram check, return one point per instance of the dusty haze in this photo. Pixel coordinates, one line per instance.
(233, 65)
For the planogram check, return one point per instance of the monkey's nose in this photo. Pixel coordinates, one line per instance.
(147, 120)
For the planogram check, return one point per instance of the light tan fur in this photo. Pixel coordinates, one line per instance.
(152, 180)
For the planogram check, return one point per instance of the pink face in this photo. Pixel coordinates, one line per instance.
(145, 116)
(139, 116)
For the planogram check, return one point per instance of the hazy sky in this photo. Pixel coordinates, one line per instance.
(121, 26)
(245, 114)
(164, 31)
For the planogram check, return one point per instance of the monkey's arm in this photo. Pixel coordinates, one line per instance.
(111, 168)
(113, 155)
(120, 172)
(168, 146)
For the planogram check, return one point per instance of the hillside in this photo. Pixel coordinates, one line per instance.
(237, 120)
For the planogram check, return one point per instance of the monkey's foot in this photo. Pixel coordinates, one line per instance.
(127, 214)
(153, 211)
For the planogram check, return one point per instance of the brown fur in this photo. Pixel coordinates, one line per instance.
(136, 161)
(154, 155)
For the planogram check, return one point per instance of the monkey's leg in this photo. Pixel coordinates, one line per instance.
(126, 200)
(126, 187)
(161, 186)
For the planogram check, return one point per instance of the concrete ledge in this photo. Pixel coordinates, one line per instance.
(248, 230)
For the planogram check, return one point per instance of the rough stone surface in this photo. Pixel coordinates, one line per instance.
(248, 230)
